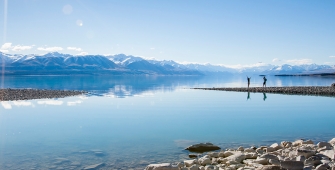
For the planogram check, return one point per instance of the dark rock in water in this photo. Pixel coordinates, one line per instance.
(202, 147)
(192, 156)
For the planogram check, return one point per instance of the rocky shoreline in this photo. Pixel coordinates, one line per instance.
(293, 90)
(28, 94)
(297, 155)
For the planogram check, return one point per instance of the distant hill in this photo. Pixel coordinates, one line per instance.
(121, 64)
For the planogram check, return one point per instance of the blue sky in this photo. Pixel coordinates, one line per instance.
(214, 31)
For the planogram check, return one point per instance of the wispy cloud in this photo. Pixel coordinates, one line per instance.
(8, 46)
(300, 61)
(74, 48)
(276, 60)
(5, 47)
(83, 53)
(332, 56)
(50, 49)
(21, 48)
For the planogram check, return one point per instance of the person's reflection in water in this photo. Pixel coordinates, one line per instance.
(264, 96)
(248, 97)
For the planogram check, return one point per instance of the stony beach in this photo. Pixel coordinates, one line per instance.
(293, 90)
(28, 94)
(298, 155)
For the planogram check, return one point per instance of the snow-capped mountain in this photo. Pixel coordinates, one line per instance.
(121, 64)
(124, 60)
(299, 69)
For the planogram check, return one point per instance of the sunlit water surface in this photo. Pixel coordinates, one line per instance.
(130, 122)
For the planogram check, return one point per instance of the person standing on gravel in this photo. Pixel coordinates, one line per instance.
(264, 83)
(248, 78)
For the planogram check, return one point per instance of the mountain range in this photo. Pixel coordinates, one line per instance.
(121, 64)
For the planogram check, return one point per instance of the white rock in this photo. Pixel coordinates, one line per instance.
(201, 168)
(189, 163)
(238, 157)
(204, 160)
(329, 153)
(270, 149)
(162, 166)
(276, 146)
(297, 142)
(332, 142)
(229, 153)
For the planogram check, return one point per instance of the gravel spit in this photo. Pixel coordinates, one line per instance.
(293, 90)
(28, 94)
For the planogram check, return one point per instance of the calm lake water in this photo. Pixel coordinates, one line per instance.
(130, 122)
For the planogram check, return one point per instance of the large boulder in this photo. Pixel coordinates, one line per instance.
(332, 85)
(162, 166)
(202, 147)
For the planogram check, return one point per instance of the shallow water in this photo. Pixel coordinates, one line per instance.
(129, 122)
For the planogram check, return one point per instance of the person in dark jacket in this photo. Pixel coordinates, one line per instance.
(248, 78)
(264, 83)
